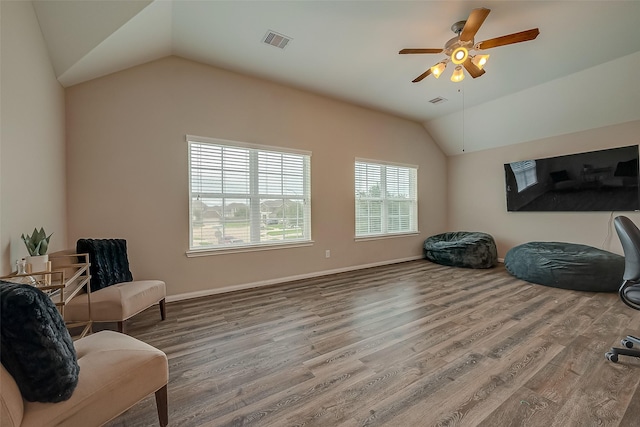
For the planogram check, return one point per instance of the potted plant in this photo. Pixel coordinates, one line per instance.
(37, 245)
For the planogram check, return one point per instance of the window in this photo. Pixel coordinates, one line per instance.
(525, 173)
(247, 195)
(386, 199)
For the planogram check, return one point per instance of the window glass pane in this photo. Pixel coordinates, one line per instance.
(283, 219)
(367, 180)
(206, 169)
(235, 182)
(236, 222)
(235, 170)
(206, 220)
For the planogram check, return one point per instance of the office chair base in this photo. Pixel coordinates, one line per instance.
(630, 340)
(612, 355)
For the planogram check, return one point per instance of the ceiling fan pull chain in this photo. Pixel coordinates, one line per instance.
(462, 114)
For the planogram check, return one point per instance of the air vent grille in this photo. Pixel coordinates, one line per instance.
(438, 100)
(278, 40)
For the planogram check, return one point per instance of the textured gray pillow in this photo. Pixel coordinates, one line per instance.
(35, 346)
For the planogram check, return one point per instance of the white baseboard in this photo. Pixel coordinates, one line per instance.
(207, 292)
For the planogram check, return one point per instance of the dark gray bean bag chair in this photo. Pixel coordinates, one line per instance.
(566, 265)
(467, 249)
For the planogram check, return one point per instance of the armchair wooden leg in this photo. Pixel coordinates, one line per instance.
(163, 309)
(162, 406)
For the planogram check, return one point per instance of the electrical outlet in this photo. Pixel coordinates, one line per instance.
(327, 253)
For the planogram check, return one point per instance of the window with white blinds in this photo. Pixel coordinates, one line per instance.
(525, 174)
(247, 195)
(386, 198)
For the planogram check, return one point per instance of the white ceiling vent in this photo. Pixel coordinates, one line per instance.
(438, 100)
(278, 40)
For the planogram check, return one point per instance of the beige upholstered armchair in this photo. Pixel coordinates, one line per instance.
(116, 372)
(115, 296)
(49, 380)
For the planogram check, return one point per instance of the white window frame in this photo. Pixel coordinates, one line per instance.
(386, 199)
(251, 159)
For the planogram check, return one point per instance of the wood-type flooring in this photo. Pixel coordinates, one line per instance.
(410, 344)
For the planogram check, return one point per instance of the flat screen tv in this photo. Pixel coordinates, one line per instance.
(603, 180)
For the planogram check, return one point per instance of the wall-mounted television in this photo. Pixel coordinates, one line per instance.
(603, 180)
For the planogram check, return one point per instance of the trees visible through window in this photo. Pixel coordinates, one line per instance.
(386, 198)
(246, 195)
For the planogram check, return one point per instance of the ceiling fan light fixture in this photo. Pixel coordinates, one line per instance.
(437, 69)
(459, 55)
(457, 75)
(480, 60)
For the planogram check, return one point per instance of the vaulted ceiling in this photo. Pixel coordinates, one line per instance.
(578, 74)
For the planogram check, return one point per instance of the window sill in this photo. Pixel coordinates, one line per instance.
(385, 236)
(194, 253)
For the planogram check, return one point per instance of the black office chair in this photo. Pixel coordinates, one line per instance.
(630, 289)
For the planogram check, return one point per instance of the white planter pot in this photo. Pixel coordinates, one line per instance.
(38, 263)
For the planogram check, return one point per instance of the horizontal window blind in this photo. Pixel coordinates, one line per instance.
(386, 199)
(246, 195)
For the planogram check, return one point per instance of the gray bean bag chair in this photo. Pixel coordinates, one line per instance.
(462, 249)
(566, 265)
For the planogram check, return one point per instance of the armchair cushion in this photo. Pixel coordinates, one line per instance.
(117, 372)
(116, 303)
(36, 348)
(109, 262)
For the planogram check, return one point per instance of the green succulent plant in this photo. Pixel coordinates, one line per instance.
(37, 243)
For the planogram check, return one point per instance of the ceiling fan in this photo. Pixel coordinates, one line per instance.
(457, 49)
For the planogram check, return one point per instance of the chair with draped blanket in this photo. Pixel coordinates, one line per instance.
(115, 296)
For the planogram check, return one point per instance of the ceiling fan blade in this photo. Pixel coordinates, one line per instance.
(522, 36)
(475, 20)
(472, 69)
(421, 76)
(403, 51)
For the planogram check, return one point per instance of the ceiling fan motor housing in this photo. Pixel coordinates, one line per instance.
(458, 26)
(455, 43)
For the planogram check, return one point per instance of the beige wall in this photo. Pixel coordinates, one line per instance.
(127, 169)
(32, 155)
(126, 166)
(477, 198)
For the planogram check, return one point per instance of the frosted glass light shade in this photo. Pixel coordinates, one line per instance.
(437, 69)
(480, 60)
(457, 75)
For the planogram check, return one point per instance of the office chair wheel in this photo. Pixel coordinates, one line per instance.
(612, 357)
(627, 343)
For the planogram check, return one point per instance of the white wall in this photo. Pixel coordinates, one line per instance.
(128, 177)
(478, 199)
(32, 138)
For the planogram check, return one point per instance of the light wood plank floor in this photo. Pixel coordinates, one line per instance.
(411, 344)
